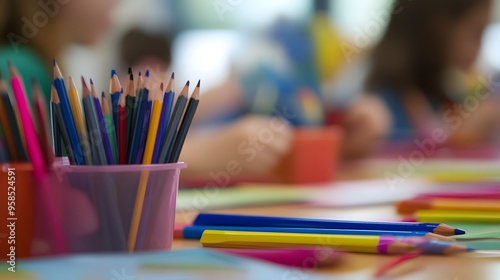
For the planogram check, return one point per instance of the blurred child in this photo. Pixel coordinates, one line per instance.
(412, 86)
(33, 33)
(235, 145)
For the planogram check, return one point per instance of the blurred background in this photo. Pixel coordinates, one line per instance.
(209, 37)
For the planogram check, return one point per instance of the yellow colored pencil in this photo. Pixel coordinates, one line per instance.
(153, 127)
(432, 216)
(143, 182)
(76, 108)
(352, 243)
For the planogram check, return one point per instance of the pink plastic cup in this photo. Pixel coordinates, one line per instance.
(97, 204)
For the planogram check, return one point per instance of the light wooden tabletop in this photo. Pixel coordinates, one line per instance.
(363, 266)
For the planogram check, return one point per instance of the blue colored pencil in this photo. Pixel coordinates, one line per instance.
(68, 115)
(102, 126)
(168, 101)
(138, 123)
(145, 129)
(171, 132)
(208, 219)
(195, 232)
(115, 89)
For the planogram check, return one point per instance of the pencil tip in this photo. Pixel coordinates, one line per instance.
(161, 86)
(91, 82)
(459, 231)
(140, 73)
(130, 70)
(187, 83)
(147, 73)
(172, 76)
(198, 84)
(113, 72)
(54, 63)
(103, 95)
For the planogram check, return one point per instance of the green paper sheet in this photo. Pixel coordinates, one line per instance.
(219, 198)
(479, 230)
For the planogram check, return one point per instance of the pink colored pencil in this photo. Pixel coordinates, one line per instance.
(37, 161)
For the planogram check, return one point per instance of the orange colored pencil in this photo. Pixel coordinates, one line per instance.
(407, 207)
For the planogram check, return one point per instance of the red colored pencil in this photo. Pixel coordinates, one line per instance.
(40, 106)
(122, 130)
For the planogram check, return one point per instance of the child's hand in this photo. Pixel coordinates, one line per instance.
(250, 146)
(366, 124)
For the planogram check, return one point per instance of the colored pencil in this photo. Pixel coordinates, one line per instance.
(195, 232)
(44, 193)
(464, 195)
(175, 118)
(122, 129)
(59, 122)
(168, 101)
(143, 190)
(56, 132)
(9, 122)
(110, 126)
(351, 243)
(131, 104)
(293, 257)
(435, 247)
(185, 124)
(76, 107)
(270, 221)
(68, 115)
(93, 127)
(41, 115)
(102, 125)
(457, 216)
(114, 90)
(142, 100)
(145, 128)
(410, 206)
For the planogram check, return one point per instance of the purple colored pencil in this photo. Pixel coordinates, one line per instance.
(166, 110)
(102, 126)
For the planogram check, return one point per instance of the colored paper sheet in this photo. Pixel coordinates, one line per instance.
(182, 264)
(477, 230)
(251, 195)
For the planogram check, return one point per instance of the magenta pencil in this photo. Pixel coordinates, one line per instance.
(36, 157)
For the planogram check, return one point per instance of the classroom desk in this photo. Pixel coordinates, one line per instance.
(363, 266)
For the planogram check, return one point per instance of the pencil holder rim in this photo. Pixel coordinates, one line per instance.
(120, 168)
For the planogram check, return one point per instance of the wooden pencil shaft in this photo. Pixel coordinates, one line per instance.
(94, 131)
(56, 133)
(15, 129)
(183, 130)
(64, 134)
(166, 147)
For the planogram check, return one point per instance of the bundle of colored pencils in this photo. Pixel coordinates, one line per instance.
(23, 139)
(138, 125)
(474, 207)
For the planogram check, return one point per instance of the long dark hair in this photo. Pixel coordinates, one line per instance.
(412, 52)
(12, 22)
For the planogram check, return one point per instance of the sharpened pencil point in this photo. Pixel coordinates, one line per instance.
(187, 83)
(91, 82)
(172, 76)
(459, 231)
(54, 63)
(161, 86)
(129, 70)
(147, 73)
(113, 72)
(198, 84)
